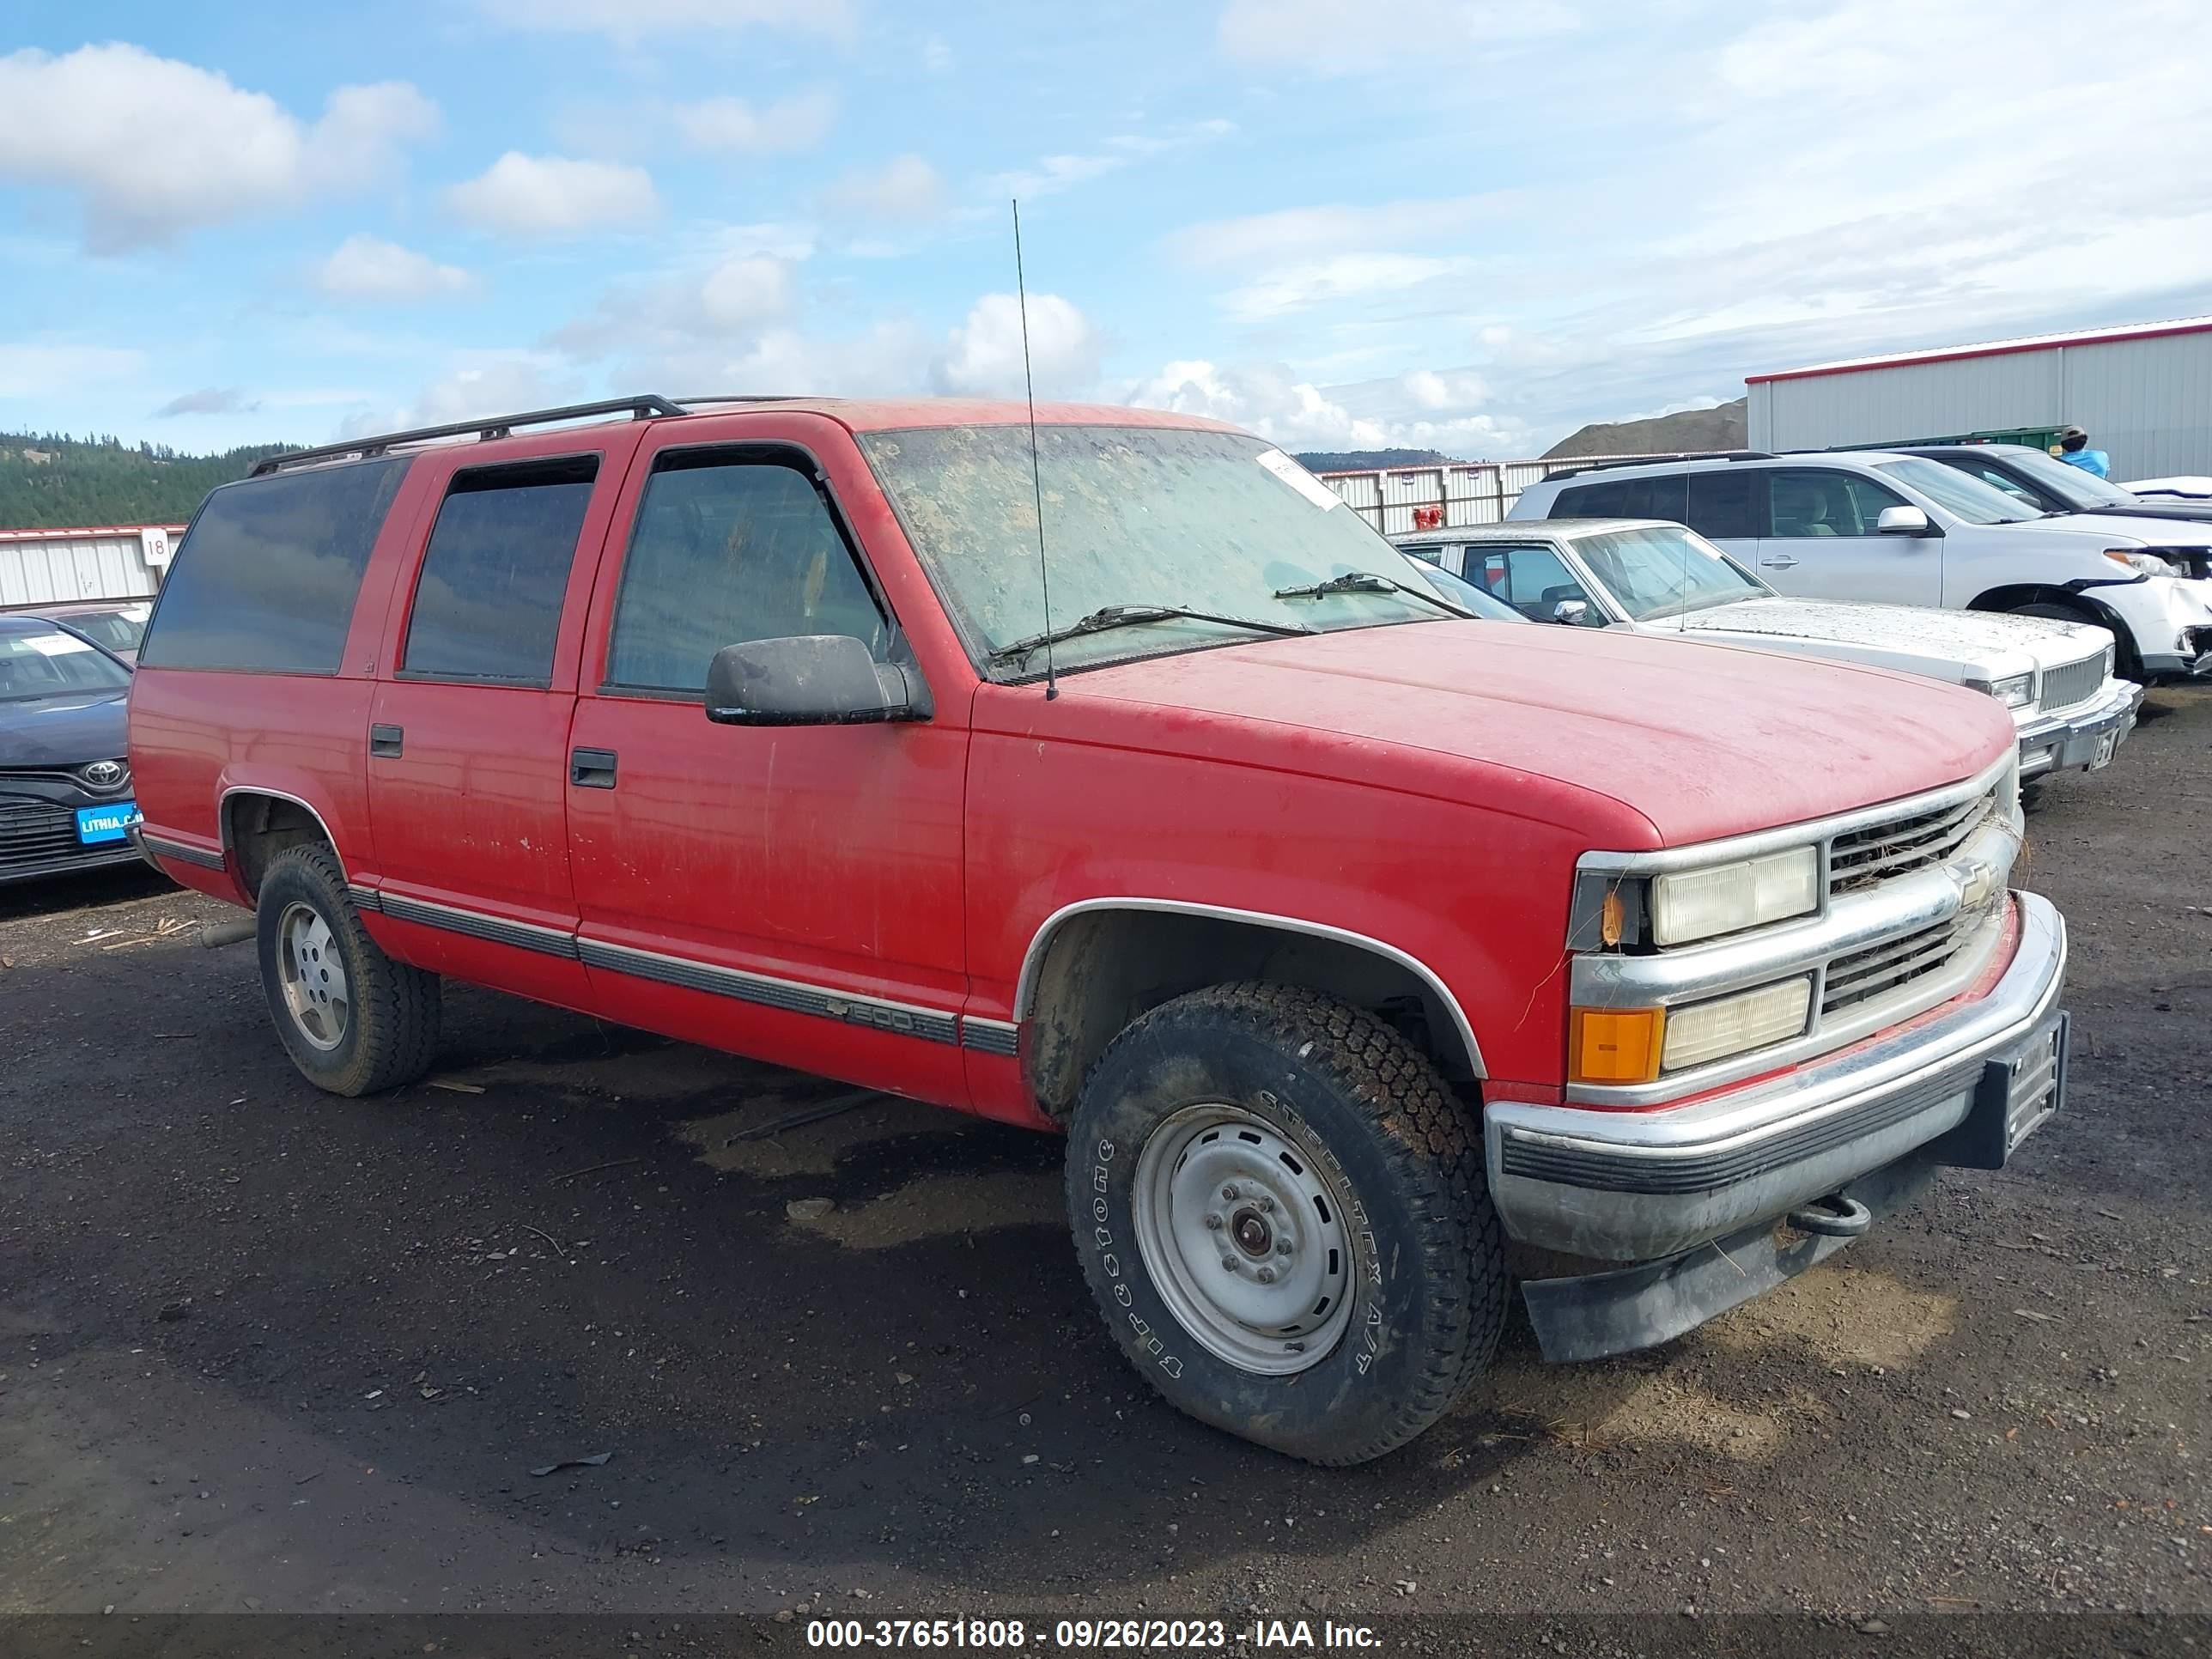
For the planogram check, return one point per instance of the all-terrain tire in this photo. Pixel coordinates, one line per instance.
(1428, 1287)
(388, 1033)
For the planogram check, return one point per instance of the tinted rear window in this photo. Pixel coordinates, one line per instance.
(266, 577)
(487, 604)
(1623, 498)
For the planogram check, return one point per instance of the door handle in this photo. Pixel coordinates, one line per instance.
(1779, 561)
(592, 769)
(386, 742)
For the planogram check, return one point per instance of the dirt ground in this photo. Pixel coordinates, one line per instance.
(261, 1349)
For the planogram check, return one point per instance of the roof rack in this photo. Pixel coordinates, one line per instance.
(645, 407)
(1576, 469)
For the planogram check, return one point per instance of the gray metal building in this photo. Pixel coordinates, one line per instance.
(92, 562)
(2143, 392)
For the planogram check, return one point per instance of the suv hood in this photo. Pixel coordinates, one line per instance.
(1565, 724)
(65, 731)
(1913, 639)
(2119, 530)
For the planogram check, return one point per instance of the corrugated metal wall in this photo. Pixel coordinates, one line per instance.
(1914, 400)
(43, 569)
(1468, 492)
(2147, 402)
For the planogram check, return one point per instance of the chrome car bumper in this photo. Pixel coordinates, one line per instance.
(1634, 1186)
(2081, 738)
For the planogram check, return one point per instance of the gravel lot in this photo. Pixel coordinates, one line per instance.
(263, 1349)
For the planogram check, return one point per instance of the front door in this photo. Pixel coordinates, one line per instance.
(468, 733)
(1823, 541)
(793, 893)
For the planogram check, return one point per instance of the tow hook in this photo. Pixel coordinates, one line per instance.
(1833, 1217)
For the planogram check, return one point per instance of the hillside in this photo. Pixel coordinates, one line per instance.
(47, 479)
(1364, 460)
(1720, 427)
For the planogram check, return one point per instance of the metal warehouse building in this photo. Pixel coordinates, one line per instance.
(96, 561)
(2144, 393)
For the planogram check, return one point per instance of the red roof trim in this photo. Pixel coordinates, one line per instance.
(1960, 354)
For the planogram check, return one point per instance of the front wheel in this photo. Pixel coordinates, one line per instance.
(1280, 1212)
(353, 1021)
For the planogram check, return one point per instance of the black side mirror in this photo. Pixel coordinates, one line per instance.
(808, 679)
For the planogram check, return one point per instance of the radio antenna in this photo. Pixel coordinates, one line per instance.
(1036, 473)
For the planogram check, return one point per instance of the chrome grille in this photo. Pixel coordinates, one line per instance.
(1879, 969)
(2073, 682)
(1863, 858)
(34, 830)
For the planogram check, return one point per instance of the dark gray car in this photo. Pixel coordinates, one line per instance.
(65, 795)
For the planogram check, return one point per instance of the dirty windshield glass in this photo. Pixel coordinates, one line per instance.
(1661, 573)
(1133, 516)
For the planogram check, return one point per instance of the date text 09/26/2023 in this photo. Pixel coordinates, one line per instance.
(1087, 1634)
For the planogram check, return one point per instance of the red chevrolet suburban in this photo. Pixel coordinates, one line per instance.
(1372, 959)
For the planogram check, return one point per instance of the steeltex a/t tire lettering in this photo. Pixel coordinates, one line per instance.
(1280, 1209)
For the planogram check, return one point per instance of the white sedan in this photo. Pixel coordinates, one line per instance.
(1658, 578)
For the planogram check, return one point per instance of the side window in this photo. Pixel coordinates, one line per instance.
(1814, 504)
(1426, 554)
(266, 578)
(1534, 580)
(487, 601)
(1622, 498)
(1722, 503)
(726, 551)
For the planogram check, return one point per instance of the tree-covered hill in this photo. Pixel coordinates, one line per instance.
(47, 479)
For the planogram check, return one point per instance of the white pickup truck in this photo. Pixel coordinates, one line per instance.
(2055, 677)
(1904, 530)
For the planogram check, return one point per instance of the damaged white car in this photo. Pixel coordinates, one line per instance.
(2055, 676)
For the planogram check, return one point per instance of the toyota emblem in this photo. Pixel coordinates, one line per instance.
(104, 774)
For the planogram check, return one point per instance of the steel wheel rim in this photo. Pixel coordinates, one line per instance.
(311, 973)
(1247, 1239)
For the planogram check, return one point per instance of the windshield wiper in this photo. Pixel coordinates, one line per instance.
(1369, 582)
(1129, 616)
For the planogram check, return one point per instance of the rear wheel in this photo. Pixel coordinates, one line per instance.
(353, 1021)
(1280, 1211)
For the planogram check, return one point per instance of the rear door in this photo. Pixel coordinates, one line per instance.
(468, 737)
(1823, 541)
(793, 893)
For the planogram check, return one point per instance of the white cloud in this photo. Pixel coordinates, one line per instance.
(665, 319)
(154, 147)
(983, 357)
(631, 20)
(936, 56)
(1344, 36)
(733, 126)
(209, 400)
(1054, 173)
(907, 190)
(479, 384)
(1290, 233)
(1347, 276)
(1267, 398)
(365, 267)
(552, 195)
(45, 369)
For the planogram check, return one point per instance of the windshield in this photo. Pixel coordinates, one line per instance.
(1953, 491)
(2083, 491)
(118, 631)
(1133, 516)
(42, 661)
(1664, 570)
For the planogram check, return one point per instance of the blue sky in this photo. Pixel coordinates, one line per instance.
(1340, 222)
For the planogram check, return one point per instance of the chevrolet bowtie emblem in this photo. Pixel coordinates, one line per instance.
(1978, 882)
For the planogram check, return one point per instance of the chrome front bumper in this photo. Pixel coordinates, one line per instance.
(2081, 738)
(1634, 1186)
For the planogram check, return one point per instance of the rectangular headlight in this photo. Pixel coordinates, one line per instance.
(2015, 691)
(1694, 904)
(1731, 1025)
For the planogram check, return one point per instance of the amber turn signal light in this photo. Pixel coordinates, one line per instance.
(1616, 1045)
